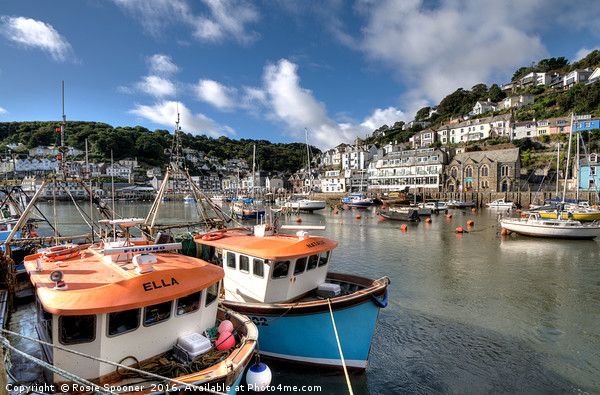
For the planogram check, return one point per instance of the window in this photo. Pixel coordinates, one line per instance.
(300, 265)
(157, 313)
(485, 184)
(244, 264)
(313, 260)
(188, 304)
(280, 269)
(123, 321)
(504, 171)
(469, 172)
(323, 258)
(75, 329)
(258, 267)
(592, 170)
(231, 260)
(212, 293)
(484, 171)
(454, 172)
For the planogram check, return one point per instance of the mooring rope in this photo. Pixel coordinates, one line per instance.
(337, 338)
(118, 365)
(61, 372)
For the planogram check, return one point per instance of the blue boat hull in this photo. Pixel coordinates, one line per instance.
(304, 332)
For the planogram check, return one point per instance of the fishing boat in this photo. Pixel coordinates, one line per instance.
(305, 204)
(246, 209)
(407, 214)
(501, 203)
(189, 199)
(219, 199)
(579, 211)
(537, 226)
(459, 204)
(281, 281)
(357, 200)
(139, 304)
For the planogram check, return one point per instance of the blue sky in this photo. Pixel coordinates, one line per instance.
(268, 69)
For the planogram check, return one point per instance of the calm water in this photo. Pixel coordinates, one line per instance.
(472, 313)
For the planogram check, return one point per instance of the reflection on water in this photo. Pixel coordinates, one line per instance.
(470, 313)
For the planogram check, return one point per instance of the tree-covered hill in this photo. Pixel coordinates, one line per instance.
(149, 147)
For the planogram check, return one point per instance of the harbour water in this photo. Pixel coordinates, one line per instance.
(468, 313)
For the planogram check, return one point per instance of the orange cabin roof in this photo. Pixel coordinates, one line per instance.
(96, 286)
(279, 247)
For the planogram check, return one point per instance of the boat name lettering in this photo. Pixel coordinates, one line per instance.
(144, 249)
(315, 243)
(153, 285)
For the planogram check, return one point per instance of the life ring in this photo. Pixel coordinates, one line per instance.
(61, 252)
(213, 236)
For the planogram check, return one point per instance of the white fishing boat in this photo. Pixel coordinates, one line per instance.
(459, 204)
(537, 226)
(501, 203)
(141, 305)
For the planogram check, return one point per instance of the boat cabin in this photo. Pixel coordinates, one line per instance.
(264, 267)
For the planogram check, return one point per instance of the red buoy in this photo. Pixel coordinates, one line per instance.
(448, 215)
(470, 223)
(358, 216)
(403, 228)
(428, 220)
(473, 209)
(459, 230)
(298, 219)
(335, 212)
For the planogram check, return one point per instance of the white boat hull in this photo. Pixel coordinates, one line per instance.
(545, 228)
(306, 204)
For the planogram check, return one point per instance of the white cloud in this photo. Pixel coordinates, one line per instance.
(3, 111)
(459, 43)
(216, 94)
(161, 64)
(223, 19)
(165, 113)
(297, 107)
(156, 86)
(31, 33)
(583, 52)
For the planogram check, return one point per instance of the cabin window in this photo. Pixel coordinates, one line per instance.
(313, 260)
(123, 321)
(231, 260)
(258, 267)
(244, 264)
(281, 269)
(212, 293)
(323, 258)
(75, 329)
(157, 313)
(188, 304)
(300, 265)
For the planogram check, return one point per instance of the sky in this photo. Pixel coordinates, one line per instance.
(268, 69)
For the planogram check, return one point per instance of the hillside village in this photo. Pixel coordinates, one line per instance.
(479, 151)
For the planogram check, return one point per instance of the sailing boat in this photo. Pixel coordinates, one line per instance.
(306, 204)
(572, 209)
(248, 208)
(358, 200)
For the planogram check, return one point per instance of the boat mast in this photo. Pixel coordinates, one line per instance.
(568, 159)
(308, 161)
(557, 166)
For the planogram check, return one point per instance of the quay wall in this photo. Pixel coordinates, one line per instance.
(521, 199)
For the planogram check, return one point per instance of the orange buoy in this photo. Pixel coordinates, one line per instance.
(523, 215)
(518, 210)
(335, 212)
(428, 220)
(448, 215)
(473, 209)
(403, 228)
(459, 230)
(470, 223)
(298, 219)
(503, 232)
(358, 216)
